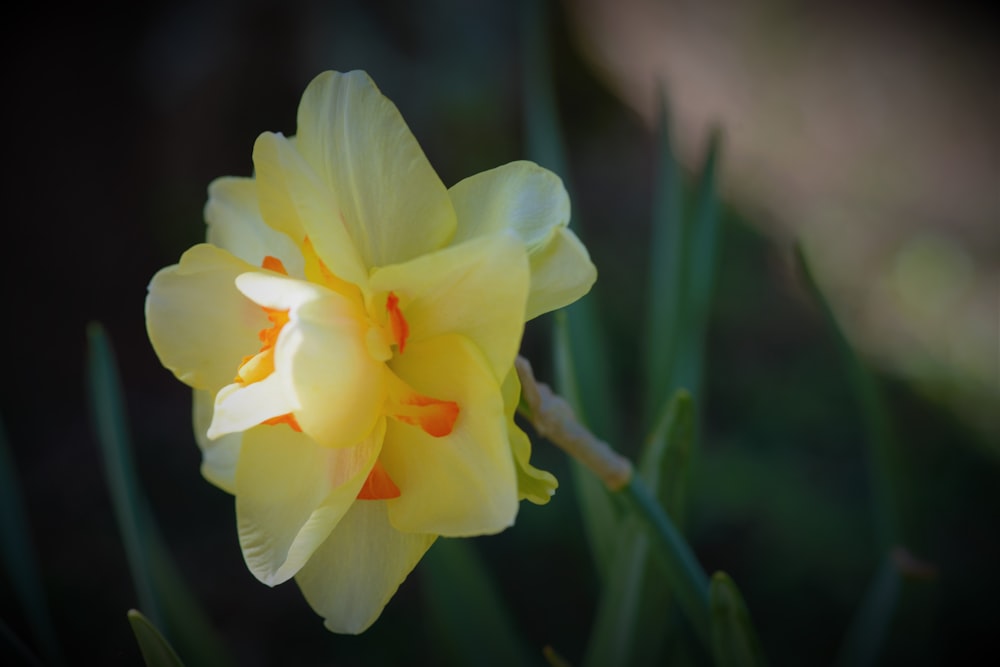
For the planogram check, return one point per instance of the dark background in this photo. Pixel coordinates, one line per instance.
(117, 119)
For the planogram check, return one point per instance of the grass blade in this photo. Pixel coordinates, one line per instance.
(734, 642)
(701, 253)
(866, 635)
(108, 410)
(666, 286)
(156, 650)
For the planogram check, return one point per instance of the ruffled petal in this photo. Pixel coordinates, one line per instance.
(537, 486)
(235, 224)
(353, 574)
(291, 492)
(393, 203)
(220, 456)
(531, 202)
(462, 483)
(444, 292)
(198, 322)
(295, 201)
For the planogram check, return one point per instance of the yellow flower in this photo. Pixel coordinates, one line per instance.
(349, 330)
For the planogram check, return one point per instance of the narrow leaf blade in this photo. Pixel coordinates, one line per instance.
(156, 650)
(734, 641)
(108, 410)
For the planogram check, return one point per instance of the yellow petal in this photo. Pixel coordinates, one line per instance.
(291, 492)
(561, 273)
(235, 224)
(355, 572)
(198, 322)
(531, 202)
(294, 200)
(393, 203)
(476, 289)
(463, 483)
(533, 484)
(520, 196)
(219, 456)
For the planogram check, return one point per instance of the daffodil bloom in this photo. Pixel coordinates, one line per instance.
(349, 330)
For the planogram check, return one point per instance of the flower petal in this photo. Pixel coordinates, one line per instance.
(561, 273)
(532, 202)
(219, 456)
(519, 196)
(393, 203)
(235, 224)
(334, 387)
(537, 486)
(239, 406)
(353, 574)
(444, 292)
(291, 492)
(293, 199)
(198, 322)
(463, 483)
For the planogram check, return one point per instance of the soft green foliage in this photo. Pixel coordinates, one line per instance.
(156, 650)
(474, 625)
(19, 558)
(867, 632)
(734, 643)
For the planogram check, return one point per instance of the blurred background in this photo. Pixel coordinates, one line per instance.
(866, 132)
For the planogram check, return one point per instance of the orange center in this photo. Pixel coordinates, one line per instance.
(436, 417)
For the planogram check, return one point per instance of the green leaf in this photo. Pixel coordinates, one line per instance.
(19, 559)
(866, 635)
(701, 238)
(156, 651)
(159, 586)
(734, 642)
(883, 451)
(666, 288)
(108, 410)
(682, 571)
(468, 611)
(635, 602)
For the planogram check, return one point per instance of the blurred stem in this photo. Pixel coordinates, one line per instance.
(684, 573)
(552, 418)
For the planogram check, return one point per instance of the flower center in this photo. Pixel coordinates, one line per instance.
(434, 416)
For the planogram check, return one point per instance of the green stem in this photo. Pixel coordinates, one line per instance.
(683, 571)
